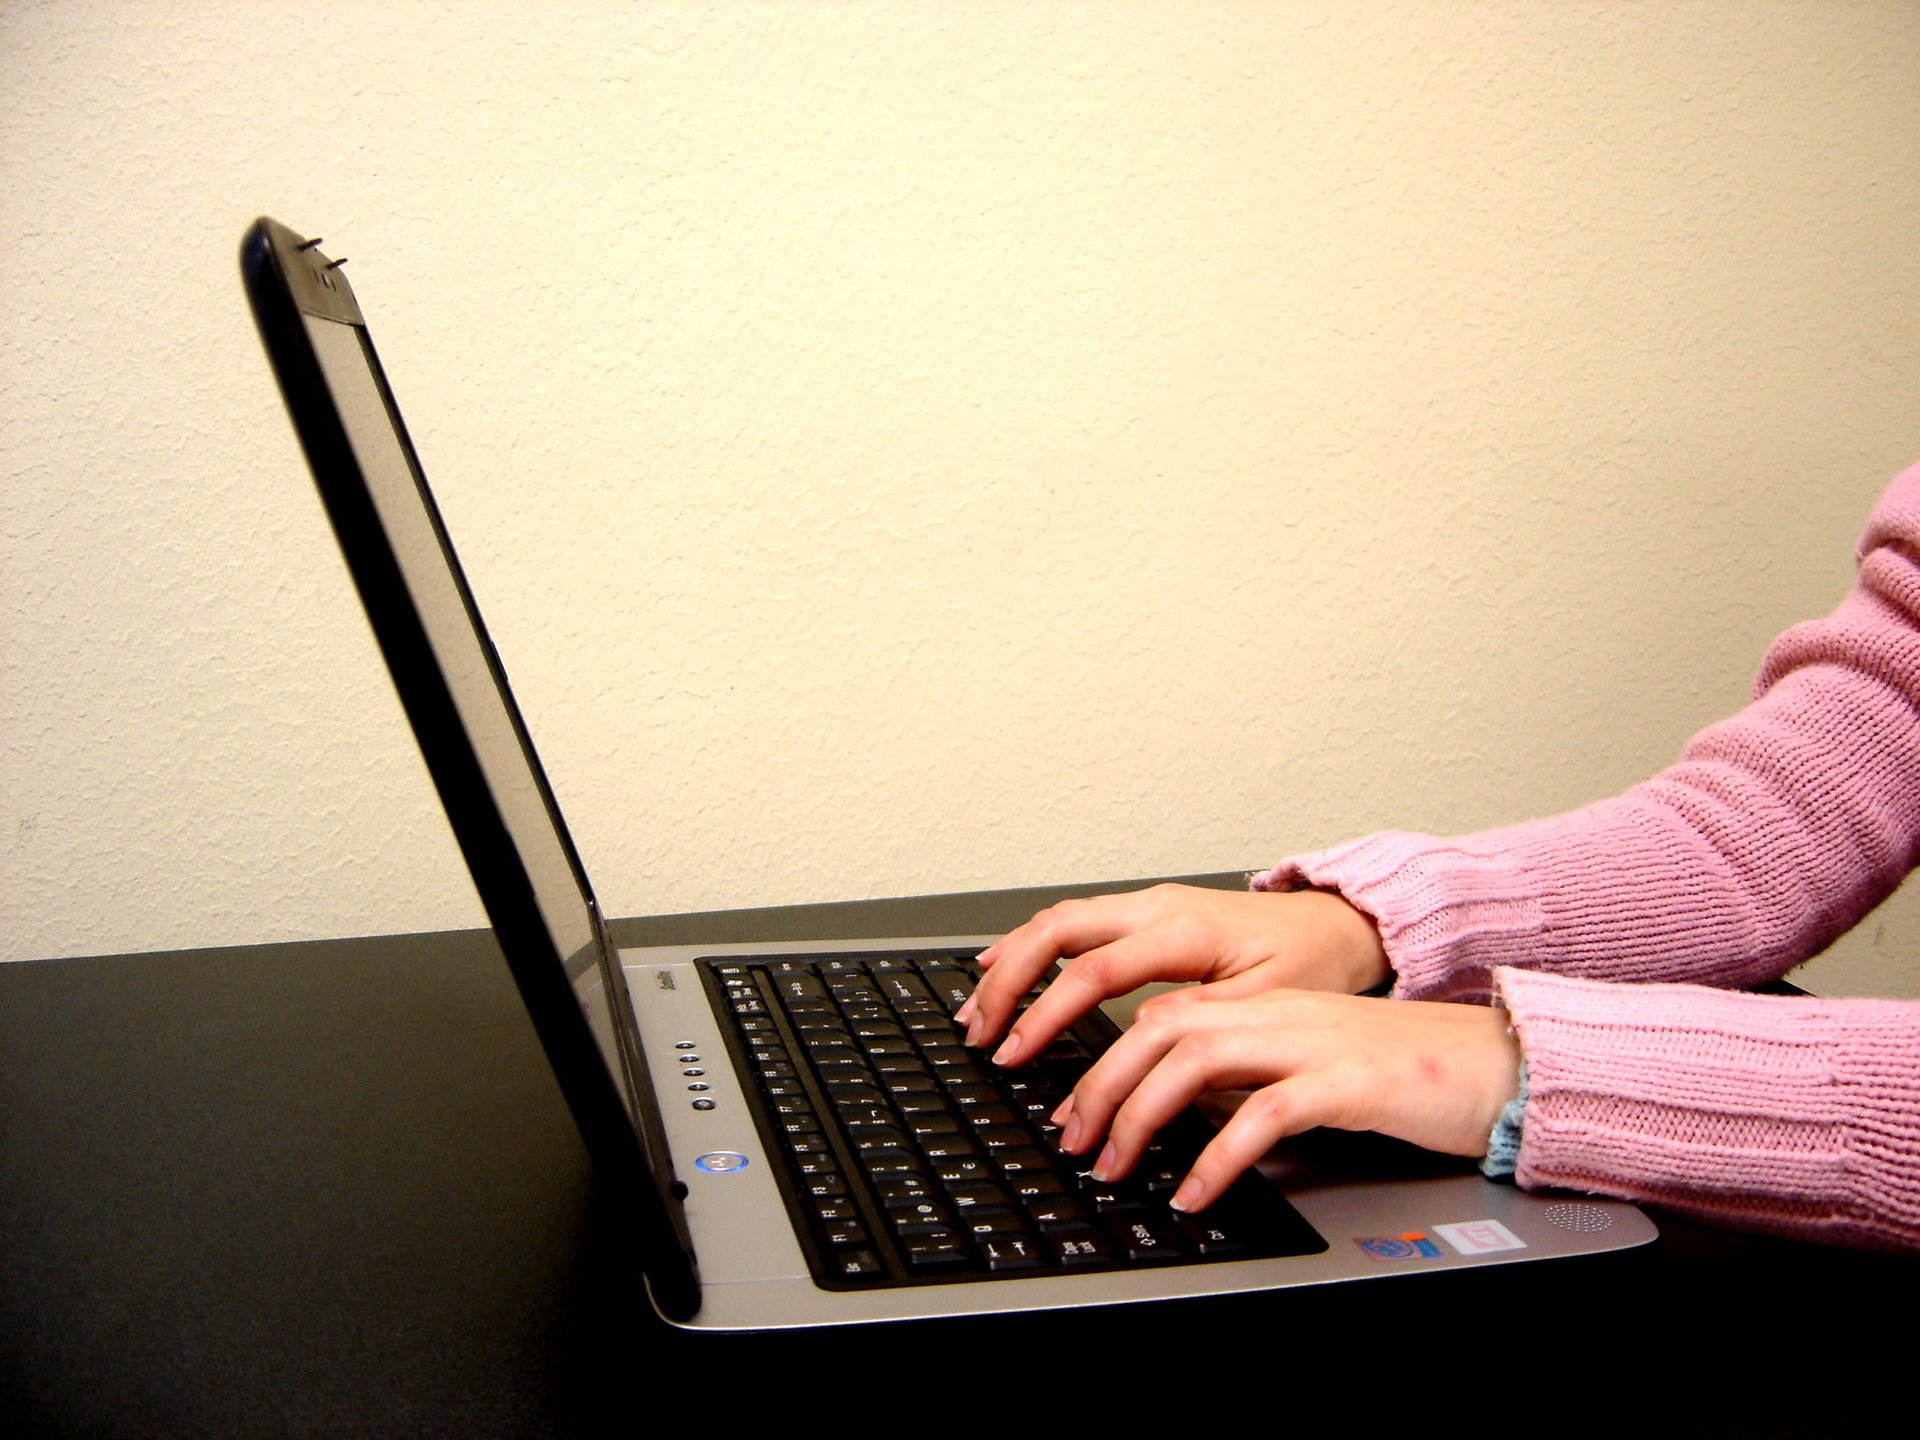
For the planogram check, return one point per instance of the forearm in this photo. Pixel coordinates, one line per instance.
(1796, 1116)
(1777, 830)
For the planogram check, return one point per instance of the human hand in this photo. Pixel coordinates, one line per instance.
(1435, 1074)
(1244, 942)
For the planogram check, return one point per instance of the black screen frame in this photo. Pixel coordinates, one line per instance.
(287, 278)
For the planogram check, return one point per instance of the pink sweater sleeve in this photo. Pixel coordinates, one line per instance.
(1793, 1115)
(1776, 831)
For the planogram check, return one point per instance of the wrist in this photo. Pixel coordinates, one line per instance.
(1351, 940)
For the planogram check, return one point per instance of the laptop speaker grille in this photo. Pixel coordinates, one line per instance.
(1579, 1218)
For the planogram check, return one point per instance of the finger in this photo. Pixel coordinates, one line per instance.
(1084, 1116)
(1100, 974)
(1154, 1071)
(1268, 1116)
(1012, 964)
(1023, 956)
(1207, 1058)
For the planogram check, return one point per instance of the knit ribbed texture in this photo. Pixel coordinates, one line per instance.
(1792, 1115)
(1776, 831)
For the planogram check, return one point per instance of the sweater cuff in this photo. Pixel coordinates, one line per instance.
(1794, 1115)
(1503, 1145)
(1625, 889)
(1438, 905)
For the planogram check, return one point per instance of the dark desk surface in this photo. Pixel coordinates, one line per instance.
(331, 1188)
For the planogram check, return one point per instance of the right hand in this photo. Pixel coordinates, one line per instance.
(1429, 1072)
(1244, 942)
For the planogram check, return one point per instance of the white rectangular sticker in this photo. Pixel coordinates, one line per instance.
(1479, 1237)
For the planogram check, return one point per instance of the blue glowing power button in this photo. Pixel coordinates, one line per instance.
(719, 1162)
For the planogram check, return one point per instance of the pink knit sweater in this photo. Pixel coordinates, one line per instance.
(1776, 831)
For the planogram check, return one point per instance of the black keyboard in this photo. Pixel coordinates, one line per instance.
(912, 1160)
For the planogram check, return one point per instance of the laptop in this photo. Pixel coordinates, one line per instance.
(801, 1137)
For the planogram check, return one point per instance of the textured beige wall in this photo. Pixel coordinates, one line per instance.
(917, 447)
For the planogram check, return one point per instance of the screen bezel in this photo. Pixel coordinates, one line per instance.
(290, 284)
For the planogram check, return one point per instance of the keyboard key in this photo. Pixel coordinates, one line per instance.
(1010, 1252)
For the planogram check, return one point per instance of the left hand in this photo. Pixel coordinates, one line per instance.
(1435, 1074)
(1239, 943)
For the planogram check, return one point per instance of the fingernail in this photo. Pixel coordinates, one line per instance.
(965, 1012)
(1104, 1164)
(1008, 1052)
(985, 957)
(1190, 1194)
(1070, 1137)
(1061, 1115)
